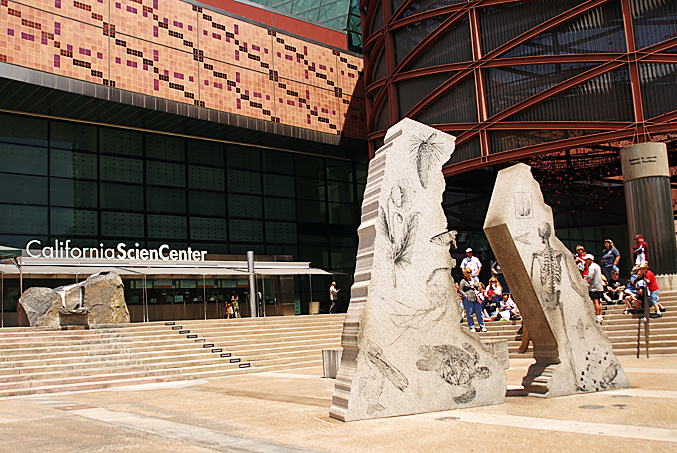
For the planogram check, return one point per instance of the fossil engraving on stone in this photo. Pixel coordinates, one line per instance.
(458, 367)
(371, 386)
(439, 286)
(582, 328)
(426, 153)
(600, 372)
(445, 239)
(550, 267)
(402, 195)
(523, 238)
(523, 208)
(400, 231)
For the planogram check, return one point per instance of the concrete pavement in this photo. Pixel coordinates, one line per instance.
(288, 412)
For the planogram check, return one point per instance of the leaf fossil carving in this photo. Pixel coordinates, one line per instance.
(400, 242)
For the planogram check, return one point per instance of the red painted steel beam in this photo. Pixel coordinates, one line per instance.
(480, 88)
(635, 83)
(524, 37)
(430, 38)
(391, 63)
(664, 118)
(559, 125)
(530, 151)
(560, 87)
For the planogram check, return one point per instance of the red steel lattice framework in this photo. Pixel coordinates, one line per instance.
(381, 90)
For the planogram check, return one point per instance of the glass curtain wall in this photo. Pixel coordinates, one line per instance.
(96, 184)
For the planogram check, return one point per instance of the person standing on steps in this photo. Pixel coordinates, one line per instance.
(610, 259)
(333, 297)
(473, 263)
(641, 250)
(596, 285)
(469, 290)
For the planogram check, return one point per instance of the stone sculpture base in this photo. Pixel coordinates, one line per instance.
(404, 351)
(573, 354)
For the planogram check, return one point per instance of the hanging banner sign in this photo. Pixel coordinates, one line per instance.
(61, 250)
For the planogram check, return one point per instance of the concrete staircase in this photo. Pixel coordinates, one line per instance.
(36, 361)
(622, 330)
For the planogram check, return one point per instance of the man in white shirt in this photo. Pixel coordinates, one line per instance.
(595, 284)
(333, 296)
(473, 263)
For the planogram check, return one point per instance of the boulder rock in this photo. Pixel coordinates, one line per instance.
(404, 351)
(101, 294)
(39, 307)
(573, 354)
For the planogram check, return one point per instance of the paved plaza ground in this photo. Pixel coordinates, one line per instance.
(288, 412)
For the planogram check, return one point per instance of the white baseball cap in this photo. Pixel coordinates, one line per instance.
(468, 250)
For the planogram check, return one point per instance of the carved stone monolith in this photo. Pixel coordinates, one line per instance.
(404, 351)
(573, 354)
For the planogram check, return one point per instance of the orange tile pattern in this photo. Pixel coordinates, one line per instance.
(178, 51)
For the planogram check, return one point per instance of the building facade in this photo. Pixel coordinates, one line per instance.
(226, 127)
(561, 85)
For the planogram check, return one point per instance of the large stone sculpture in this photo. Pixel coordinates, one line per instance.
(404, 351)
(572, 352)
(101, 295)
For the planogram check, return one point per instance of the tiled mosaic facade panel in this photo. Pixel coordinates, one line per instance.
(177, 51)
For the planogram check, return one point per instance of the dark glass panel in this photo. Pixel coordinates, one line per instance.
(377, 19)
(120, 141)
(163, 199)
(165, 147)
(502, 23)
(604, 98)
(125, 197)
(207, 203)
(75, 136)
(341, 213)
(340, 192)
(206, 178)
(70, 164)
(166, 174)
(284, 232)
(318, 256)
(312, 167)
(452, 47)
(246, 157)
(206, 153)
(167, 227)
(121, 169)
(246, 231)
(458, 105)
(73, 222)
(73, 193)
(658, 82)
(278, 162)
(17, 219)
(512, 84)
(122, 225)
(380, 68)
(340, 170)
(245, 206)
(507, 140)
(203, 229)
(655, 21)
(280, 208)
(312, 211)
(23, 189)
(420, 6)
(600, 30)
(409, 36)
(23, 129)
(383, 116)
(411, 92)
(29, 160)
(242, 249)
(465, 151)
(279, 186)
(244, 182)
(362, 171)
(310, 189)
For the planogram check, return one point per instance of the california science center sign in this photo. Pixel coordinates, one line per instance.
(61, 250)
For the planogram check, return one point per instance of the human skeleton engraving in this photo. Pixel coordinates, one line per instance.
(550, 268)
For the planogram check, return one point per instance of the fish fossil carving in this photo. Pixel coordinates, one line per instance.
(426, 153)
